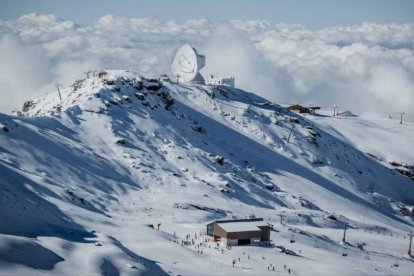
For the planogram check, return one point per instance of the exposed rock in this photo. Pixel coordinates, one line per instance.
(196, 127)
(408, 167)
(224, 93)
(403, 211)
(166, 99)
(374, 156)
(120, 141)
(395, 164)
(4, 128)
(223, 190)
(138, 85)
(332, 217)
(153, 87)
(293, 120)
(219, 159)
(78, 84)
(316, 161)
(312, 140)
(405, 172)
(102, 74)
(27, 105)
(140, 96)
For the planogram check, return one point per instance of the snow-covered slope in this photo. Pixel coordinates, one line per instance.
(385, 138)
(83, 177)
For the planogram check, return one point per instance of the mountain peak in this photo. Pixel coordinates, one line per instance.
(94, 93)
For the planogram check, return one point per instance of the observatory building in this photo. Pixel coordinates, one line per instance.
(186, 64)
(214, 80)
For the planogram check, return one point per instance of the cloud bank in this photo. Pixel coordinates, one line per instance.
(367, 67)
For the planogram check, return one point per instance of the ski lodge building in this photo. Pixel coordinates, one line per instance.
(303, 109)
(240, 231)
(298, 109)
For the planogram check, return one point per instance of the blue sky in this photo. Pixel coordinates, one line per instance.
(314, 14)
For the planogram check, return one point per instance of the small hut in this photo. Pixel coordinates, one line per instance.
(303, 109)
(298, 109)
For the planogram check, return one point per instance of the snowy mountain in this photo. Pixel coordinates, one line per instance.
(83, 177)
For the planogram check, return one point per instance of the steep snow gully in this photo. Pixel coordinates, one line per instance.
(82, 177)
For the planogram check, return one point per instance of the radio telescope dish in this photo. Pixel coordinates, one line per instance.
(186, 64)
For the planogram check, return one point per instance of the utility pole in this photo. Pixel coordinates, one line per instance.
(401, 114)
(57, 85)
(409, 247)
(344, 236)
(281, 217)
(290, 133)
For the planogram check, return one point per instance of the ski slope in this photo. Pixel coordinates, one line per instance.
(83, 177)
(371, 133)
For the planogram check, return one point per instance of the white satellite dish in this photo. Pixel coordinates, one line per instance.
(186, 64)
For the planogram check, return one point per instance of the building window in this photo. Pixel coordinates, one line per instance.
(210, 229)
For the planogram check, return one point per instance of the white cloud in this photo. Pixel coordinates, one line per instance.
(361, 67)
(23, 71)
(367, 67)
(232, 52)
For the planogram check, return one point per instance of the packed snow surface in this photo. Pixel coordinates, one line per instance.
(122, 175)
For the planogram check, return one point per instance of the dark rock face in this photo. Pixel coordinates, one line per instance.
(27, 105)
(219, 159)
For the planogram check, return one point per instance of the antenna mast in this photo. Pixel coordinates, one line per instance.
(290, 133)
(344, 236)
(409, 247)
(57, 85)
(401, 114)
(281, 217)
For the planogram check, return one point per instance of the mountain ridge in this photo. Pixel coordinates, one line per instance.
(119, 145)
